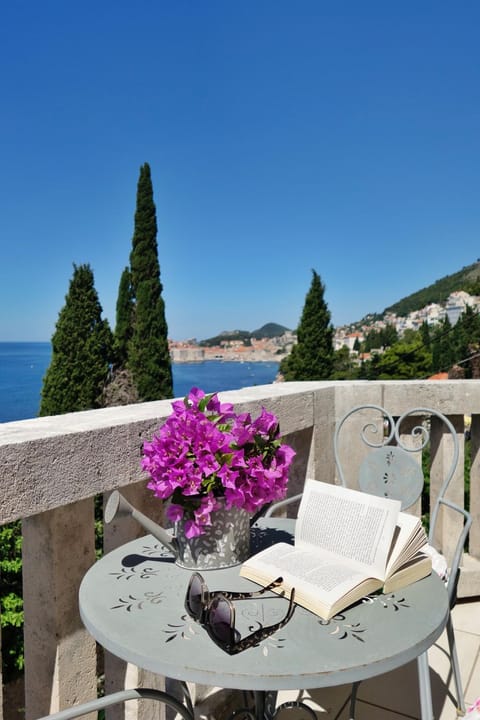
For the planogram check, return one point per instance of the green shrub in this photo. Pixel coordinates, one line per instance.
(11, 603)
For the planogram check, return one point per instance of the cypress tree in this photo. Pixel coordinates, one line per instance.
(124, 319)
(148, 354)
(81, 350)
(312, 358)
(425, 334)
(442, 348)
(466, 337)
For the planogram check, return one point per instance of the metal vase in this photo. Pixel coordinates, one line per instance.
(225, 542)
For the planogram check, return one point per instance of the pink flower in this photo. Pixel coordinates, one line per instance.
(174, 512)
(266, 422)
(207, 505)
(204, 450)
(192, 529)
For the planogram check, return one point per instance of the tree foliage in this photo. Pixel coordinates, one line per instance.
(312, 357)
(404, 361)
(81, 350)
(343, 365)
(442, 350)
(11, 603)
(457, 345)
(124, 318)
(382, 338)
(148, 352)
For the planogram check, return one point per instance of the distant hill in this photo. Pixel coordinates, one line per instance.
(266, 331)
(468, 279)
(224, 336)
(270, 330)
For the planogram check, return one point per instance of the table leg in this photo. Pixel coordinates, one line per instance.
(254, 707)
(266, 707)
(425, 687)
(263, 707)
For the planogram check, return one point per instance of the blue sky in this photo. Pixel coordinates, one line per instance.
(282, 136)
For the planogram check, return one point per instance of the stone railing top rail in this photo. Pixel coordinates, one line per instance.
(20, 431)
(53, 461)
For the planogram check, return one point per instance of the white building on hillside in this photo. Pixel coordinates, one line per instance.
(343, 339)
(457, 303)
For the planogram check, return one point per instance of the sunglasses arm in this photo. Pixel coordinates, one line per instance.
(264, 632)
(246, 595)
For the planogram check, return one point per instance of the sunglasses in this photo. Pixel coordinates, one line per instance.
(215, 611)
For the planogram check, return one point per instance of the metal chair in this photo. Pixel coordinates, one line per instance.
(387, 467)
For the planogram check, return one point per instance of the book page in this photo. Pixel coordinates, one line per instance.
(305, 570)
(410, 537)
(349, 524)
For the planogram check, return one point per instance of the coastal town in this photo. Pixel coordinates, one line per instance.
(273, 349)
(257, 350)
(432, 314)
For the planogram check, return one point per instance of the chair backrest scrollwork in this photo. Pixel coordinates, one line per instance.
(389, 469)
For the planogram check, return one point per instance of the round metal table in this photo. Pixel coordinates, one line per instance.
(132, 602)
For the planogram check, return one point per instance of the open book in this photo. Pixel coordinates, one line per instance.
(347, 545)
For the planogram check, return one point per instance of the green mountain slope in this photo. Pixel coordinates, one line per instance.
(269, 330)
(226, 336)
(468, 279)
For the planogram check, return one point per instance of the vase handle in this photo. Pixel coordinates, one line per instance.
(118, 505)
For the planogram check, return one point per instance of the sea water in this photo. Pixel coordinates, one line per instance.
(218, 375)
(23, 366)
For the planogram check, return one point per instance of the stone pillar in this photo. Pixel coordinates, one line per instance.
(321, 464)
(449, 523)
(301, 442)
(474, 544)
(60, 658)
(119, 674)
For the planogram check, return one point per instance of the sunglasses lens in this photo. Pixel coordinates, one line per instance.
(220, 620)
(195, 596)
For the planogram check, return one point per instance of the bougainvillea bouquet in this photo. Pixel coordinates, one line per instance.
(205, 451)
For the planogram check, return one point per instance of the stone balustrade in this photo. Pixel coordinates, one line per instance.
(51, 468)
